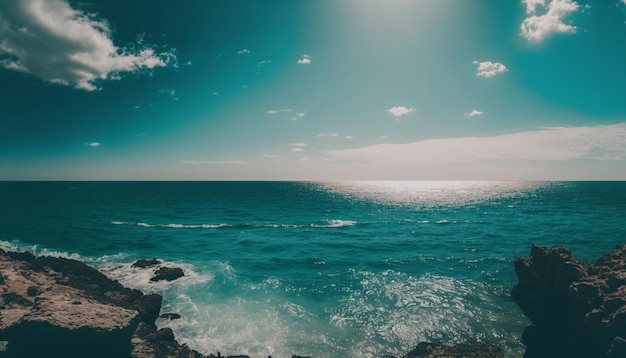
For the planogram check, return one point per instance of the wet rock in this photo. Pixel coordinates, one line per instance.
(144, 263)
(469, 350)
(148, 342)
(167, 273)
(170, 316)
(32, 291)
(578, 308)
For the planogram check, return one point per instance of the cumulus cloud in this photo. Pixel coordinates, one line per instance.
(400, 110)
(489, 69)
(298, 149)
(537, 27)
(244, 51)
(322, 135)
(213, 162)
(58, 44)
(606, 142)
(93, 144)
(298, 144)
(305, 60)
(474, 113)
(348, 137)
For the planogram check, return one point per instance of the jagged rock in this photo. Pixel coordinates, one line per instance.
(144, 263)
(168, 274)
(578, 307)
(148, 342)
(469, 350)
(73, 310)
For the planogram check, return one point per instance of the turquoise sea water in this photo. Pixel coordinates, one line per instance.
(341, 269)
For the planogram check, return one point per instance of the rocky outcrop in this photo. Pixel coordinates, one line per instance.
(56, 307)
(578, 308)
(167, 274)
(466, 350)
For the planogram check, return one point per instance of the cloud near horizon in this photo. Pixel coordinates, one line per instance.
(213, 162)
(58, 44)
(600, 143)
(475, 113)
(399, 111)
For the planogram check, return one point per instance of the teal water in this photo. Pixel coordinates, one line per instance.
(340, 269)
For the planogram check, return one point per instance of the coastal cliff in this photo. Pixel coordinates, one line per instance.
(578, 307)
(57, 307)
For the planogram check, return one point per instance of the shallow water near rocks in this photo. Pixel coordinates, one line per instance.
(321, 269)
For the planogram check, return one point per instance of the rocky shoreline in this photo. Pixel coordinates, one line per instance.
(57, 307)
(578, 307)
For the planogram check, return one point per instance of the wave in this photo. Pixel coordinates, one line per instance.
(172, 225)
(326, 224)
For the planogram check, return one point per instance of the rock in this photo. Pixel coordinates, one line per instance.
(469, 350)
(144, 263)
(32, 291)
(167, 273)
(170, 316)
(578, 307)
(73, 310)
(148, 342)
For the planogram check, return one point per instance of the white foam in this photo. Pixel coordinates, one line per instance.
(139, 278)
(172, 225)
(336, 223)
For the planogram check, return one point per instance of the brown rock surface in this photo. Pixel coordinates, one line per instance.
(56, 307)
(578, 308)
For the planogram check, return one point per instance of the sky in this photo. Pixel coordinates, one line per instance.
(313, 90)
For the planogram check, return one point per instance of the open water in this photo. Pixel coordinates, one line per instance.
(337, 269)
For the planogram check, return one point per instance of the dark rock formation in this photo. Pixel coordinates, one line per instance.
(464, 350)
(167, 273)
(578, 308)
(144, 263)
(74, 310)
(170, 316)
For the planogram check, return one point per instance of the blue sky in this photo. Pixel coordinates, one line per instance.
(313, 90)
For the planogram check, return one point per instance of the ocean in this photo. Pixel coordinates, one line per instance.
(326, 269)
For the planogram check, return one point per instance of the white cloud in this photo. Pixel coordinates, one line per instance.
(263, 62)
(606, 142)
(58, 44)
(538, 27)
(244, 51)
(531, 5)
(305, 60)
(274, 111)
(302, 114)
(322, 135)
(489, 69)
(93, 144)
(400, 110)
(348, 137)
(270, 155)
(298, 149)
(474, 113)
(298, 144)
(212, 162)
